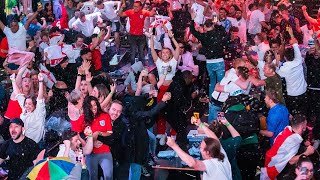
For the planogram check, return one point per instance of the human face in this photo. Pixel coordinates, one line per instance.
(256, 40)
(49, 7)
(234, 35)
(79, 42)
(29, 106)
(275, 47)
(268, 101)
(84, 87)
(100, 6)
(136, 7)
(89, 56)
(34, 79)
(267, 71)
(45, 38)
(204, 153)
(181, 48)
(95, 92)
(309, 167)
(75, 143)
(94, 107)
(165, 55)
(14, 27)
(83, 19)
(15, 131)
(238, 15)
(232, 10)
(223, 14)
(26, 83)
(278, 18)
(64, 64)
(115, 111)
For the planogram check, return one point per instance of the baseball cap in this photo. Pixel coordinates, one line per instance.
(17, 121)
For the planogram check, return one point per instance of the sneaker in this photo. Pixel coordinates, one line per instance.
(145, 172)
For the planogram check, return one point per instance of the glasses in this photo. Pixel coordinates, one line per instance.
(181, 47)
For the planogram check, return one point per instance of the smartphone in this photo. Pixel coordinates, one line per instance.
(304, 171)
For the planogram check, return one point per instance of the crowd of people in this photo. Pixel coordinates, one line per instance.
(243, 72)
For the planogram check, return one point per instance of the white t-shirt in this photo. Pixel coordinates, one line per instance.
(307, 34)
(254, 23)
(16, 40)
(42, 46)
(242, 25)
(198, 10)
(230, 88)
(165, 66)
(108, 11)
(72, 155)
(86, 27)
(216, 169)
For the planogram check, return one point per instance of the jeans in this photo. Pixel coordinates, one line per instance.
(106, 163)
(216, 73)
(213, 112)
(135, 171)
(137, 42)
(152, 142)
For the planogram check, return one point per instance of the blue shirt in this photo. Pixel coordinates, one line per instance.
(277, 120)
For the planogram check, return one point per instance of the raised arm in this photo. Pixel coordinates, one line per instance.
(34, 16)
(87, 149)
(153, 51)
(41, 91)
(78, 81)
(177, 50)
(306, 15)
(205, 129)
(189, 160)
(19, 75)
(234, 133)
(15, 88)
(108, 99)
(139, 83)
(120, 12)
(2, 26)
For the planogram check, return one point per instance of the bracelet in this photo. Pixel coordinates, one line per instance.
(100, 134)
(228, 124)
(79, 75)
(13, 80)
(84, 167)
(89, 136)
(111, 93)
(201, 125)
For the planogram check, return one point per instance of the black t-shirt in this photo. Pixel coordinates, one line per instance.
(21, 156)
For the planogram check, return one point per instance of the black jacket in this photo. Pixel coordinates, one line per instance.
(212, 41)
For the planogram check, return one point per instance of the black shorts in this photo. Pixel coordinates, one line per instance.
(116, 24)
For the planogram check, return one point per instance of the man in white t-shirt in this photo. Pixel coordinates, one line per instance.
(257, 21)
(17, 33)
(240, 22)
(108, 12)
(85, 23)
(261, 47)
(307, 33)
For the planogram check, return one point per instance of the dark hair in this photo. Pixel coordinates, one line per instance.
(216, 128)
(33, 99)
(116, 102)
(224, 9)
(84, 51)
(251, 6)
(244, 72)
(186, 46)
(298, 119)
(99, 2)
(213, 146)
(261, 37)
(81, 14)
(289, 54)
(79, 36)
(68, 135)
(236, 8)
(234, 29)
(272, 94)
(54, 29)
(103, 90)
(275, 41)
(138, 2)
(94, 36)
(187, 74)
(208, 23)
(269, 56)
(282, 7)
(88, 114)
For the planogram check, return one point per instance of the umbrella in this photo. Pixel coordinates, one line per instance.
(51, 168)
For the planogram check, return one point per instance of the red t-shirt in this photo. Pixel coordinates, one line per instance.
(101, 123)
(316, 25)
(14, 110)
(5, 46)
(137, 20)
(96, 58)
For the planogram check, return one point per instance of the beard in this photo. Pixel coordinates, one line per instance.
(17, 136)
(238, 18)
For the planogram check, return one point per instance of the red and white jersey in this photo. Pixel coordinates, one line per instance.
(286, 145)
